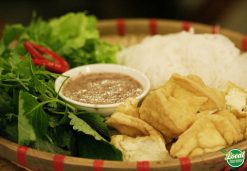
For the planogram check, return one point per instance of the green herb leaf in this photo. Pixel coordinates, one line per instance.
(5, 102)
(26, 133)
(12, 32)
(44, 145)
(43, 87)
(81, 126)
(11, 131)
(34, 112)
(63, 136)
(2, 47)
(89, 148)
(8, 126)
(39, 85)
(96, 122)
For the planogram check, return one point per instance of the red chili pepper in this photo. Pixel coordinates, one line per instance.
(33, 52)
(59, 65)
(56, 57)
(51, 66)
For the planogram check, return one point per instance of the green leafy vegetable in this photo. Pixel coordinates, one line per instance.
(47, 146)
(8, 126)
(80, 125)
(82, 40)
(31, 113)
(89, 148)
(5, 102)
(96, 122)
(12, 32)
(31, 109)
(63, 136)
(26, 132)
(72, 30)
(73, 36)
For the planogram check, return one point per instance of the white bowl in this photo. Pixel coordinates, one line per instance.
(103, 109)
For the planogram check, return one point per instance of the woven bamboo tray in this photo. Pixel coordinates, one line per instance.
(128, 32)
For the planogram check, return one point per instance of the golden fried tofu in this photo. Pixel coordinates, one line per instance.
(129, 107)
(243, 126)
(202, 119)
(170, 116)
(172, 108)
(196, 86)
(127, 125)
(205, 113)
(131, 126)
(233, 120)
(150, 148)
(209, 133)
(236, 100)
(139, 141)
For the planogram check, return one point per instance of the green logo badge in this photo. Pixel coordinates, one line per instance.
(235, 158)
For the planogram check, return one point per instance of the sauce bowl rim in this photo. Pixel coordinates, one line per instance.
(112, 68)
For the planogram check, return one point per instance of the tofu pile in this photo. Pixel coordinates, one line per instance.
(200, 119)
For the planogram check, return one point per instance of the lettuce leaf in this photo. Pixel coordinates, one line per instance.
(72, 30)
(73, 36)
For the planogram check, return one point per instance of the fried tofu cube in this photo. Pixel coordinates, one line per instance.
(209, 133)
(243, 126)
(129, 107)
(139, 141)
(149, 148)
(195, 85)
(236, 100)
(169, 115)
(173, 108)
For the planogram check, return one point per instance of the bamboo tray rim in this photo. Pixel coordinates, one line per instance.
(169, 22)
(70, 160)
